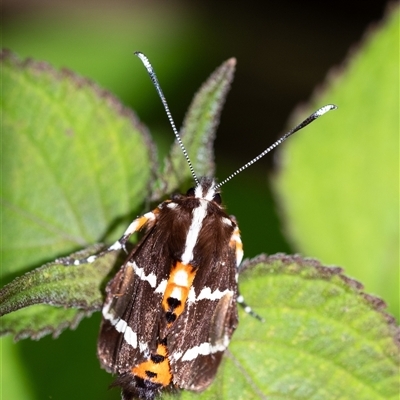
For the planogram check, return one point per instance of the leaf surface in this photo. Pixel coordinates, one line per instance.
(338, 185)
(75, 164)
(198, 133)
(323, 337)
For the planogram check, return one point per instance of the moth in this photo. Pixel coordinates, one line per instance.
(171, 309)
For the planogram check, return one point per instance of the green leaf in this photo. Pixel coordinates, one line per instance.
(75, 164)
(338, 186)
(40, 320)
(323, 338)
(77, 288)
(198, 132)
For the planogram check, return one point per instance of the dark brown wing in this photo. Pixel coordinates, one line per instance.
(132, 310)
(201, 334)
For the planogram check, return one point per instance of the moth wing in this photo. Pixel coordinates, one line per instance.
(132, 309)
(209, 322)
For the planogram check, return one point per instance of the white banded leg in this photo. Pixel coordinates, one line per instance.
(137, 224)
(247, 309)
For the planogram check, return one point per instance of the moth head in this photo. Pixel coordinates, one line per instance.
(206, 189)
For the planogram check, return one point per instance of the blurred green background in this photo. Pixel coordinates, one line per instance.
(284, 50)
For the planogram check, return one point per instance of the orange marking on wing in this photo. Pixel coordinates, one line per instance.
(179, 283)
(236, 244)
(156, 369)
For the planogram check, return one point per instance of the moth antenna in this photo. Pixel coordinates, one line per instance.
(307, 121)
(154, 79)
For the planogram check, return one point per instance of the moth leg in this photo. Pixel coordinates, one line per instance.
(147, 220)
(247, 309)
(137, 224)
